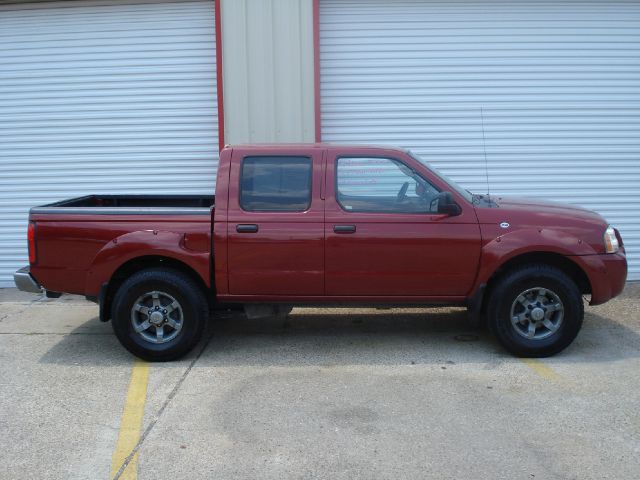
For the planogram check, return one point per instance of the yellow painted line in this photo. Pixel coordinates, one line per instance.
(541, 369)
(131, 422)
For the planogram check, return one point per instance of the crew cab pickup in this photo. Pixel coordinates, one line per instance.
(324, 225)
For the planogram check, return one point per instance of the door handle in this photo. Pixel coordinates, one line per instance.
(246, 228)
(344, 228)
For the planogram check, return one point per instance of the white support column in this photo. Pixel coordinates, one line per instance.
(267, 58)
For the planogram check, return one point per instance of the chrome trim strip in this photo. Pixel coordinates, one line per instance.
(122, 210)
(25, 282)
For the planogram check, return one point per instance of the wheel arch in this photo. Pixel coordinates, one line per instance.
(562, 262)
(145, 262)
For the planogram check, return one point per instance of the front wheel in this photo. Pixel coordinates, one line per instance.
(159, 314)
(535, 311)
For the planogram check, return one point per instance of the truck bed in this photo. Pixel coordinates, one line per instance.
(131, 204)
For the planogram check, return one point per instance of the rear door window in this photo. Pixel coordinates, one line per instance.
(275, 184)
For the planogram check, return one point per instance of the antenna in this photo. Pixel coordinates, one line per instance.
(484, 148)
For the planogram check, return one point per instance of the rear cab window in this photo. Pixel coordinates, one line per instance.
(275, 183)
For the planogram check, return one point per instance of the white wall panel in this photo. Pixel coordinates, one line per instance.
(102, 97)
(558, 81)
(267, 48)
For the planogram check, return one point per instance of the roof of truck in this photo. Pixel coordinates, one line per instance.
(310, 145)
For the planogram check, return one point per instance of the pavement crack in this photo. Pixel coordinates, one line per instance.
(163, 407)
(20, 312)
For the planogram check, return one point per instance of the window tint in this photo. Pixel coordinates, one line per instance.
(275, 184)
(383, 185)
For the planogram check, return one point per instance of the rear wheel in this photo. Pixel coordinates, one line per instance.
(535, 311)
(159, 314)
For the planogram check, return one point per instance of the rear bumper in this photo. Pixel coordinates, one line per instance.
(25, 281)
(607, 274)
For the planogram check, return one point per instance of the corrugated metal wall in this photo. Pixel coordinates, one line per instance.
(559, 83)
(102, 97)
(267, 48)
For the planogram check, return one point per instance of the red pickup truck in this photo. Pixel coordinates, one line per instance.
(324, 225)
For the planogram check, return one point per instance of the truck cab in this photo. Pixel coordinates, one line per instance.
(345, 225)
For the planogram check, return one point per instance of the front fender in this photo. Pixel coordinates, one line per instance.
(506, 246)
(143, 243)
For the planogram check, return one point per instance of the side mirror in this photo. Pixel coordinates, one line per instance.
(447, 206)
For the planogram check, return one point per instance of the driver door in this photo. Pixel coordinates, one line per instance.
(383, 235)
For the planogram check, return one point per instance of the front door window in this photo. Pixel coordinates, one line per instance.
(382, 185)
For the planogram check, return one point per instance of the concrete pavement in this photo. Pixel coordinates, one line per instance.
(340, 394)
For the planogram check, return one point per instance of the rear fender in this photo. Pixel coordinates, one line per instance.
(144, 243)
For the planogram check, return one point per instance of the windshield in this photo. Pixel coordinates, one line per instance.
(465, 193)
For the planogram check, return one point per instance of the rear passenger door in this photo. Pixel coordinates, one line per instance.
(275, 224)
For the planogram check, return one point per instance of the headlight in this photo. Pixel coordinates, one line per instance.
(611, 244)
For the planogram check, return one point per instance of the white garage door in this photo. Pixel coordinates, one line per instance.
(558, 82)
(102, 97)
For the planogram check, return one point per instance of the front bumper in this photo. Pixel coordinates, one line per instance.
(607, 274)
(25, 282)
(616, 267)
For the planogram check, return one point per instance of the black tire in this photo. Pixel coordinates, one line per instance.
(194, 312)
(509, 287)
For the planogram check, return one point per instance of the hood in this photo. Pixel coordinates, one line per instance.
(544, 209)
(524, 213)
